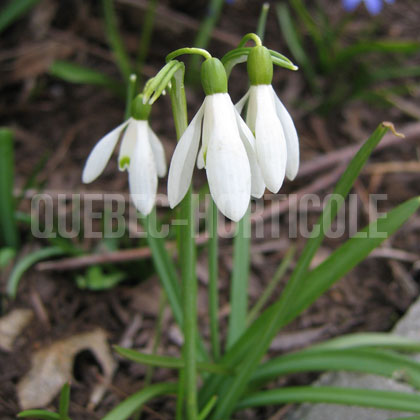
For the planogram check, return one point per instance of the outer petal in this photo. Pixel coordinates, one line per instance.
(227, 166)
(158, 152)
(257, 182)
(101, 153)
(241, 103)
(183, 159)
(292, 140)
(142, 175)
(128, 144)
(269, 138)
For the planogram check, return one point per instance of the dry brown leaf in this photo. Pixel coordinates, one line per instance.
(52, 367)
(11, 326)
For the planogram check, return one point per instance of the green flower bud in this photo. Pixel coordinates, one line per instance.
(213, 76)
(139, 110)
(260, 66)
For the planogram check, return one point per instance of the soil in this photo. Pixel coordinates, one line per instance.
(57, 123)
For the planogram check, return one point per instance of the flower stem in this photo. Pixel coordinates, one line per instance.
(181, 51)
(248, 37)
(213, 280)
(187, 254)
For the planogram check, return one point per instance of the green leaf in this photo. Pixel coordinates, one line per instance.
(114, 39)
(126, 408)
(39, 414)
(96, 279)
(74, 73)
(63, 409)
(168, 361)
(239, 280)
(8, 229)
(377, 362)
(363, 47)
(379, 340)
(6, 256)
(25, 263)
(13, 11)
(386, 400)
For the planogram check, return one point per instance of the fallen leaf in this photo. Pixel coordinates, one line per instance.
(52, 367)
(11, 325)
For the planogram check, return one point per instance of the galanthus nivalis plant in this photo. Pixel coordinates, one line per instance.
(141, 154)
(227, 150)
(276, 139)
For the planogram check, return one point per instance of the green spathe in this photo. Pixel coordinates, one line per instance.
(140, 110)
(260, 66)
(213, 76)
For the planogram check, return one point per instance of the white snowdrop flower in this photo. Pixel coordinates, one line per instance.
(141, 153)
(276, 139)
(227, 150)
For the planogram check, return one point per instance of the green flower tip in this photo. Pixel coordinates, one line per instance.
(213, 76)
(260, 66)
(140, 110)
(124, 163)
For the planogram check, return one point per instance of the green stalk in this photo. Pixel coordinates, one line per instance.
(239, 281)
(213, 281)
(8, 228)
(187, 254)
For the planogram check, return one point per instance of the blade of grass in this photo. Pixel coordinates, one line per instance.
(262, 20)
(269, 290)
(387, 400)
(114, 39)
(74, 73)
(146, 37)
(126, 408)
(13, 11)
(295, 45)
(8, 228)
(38, 414)
(26, 262)
(168, 361)
(239, 280)
(207, 408)
(318, 281)
(377, 362)
(381, 340)
(64, 403)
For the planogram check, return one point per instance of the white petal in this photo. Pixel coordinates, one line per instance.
(257, 182)
(240, 104)
(158, 152)
(183, 159)
(270, 143)
(251, 111)
(128, 144)
(101, 153)
(142, 175)
(227, 166)
(291, 136)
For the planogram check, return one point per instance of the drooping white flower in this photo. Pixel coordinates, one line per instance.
(141, 153)
(227, 150)
(276, 139)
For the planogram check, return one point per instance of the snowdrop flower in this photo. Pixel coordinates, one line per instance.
(373, 6)
(227, 150)
(276, 140)
(141, 153)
